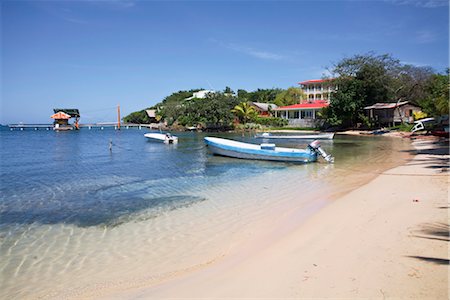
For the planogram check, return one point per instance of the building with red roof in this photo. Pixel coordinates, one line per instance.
(306, 113)
(318, 89)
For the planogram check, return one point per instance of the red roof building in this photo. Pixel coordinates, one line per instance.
(318, 89)
(303, 114)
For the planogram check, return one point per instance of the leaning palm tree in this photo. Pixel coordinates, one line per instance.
(244, 112)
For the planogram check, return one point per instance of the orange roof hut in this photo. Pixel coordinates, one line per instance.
(60, 116)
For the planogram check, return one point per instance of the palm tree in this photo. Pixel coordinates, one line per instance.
(245, 112)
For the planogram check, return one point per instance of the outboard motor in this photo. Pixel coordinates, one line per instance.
(315, 146)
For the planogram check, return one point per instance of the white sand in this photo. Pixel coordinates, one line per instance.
(388, 238)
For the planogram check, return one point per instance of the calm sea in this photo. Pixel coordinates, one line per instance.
(72, 209)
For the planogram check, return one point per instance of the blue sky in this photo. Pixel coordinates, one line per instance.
(93, 55)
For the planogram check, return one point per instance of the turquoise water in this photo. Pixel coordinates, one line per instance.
(70, 207)
(51, 177)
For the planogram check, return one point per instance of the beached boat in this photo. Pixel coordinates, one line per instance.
(237, 149)
(321, 136)
(437, 127)
(163, 137)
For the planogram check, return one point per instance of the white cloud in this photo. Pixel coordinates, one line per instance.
(421, 3)
(114, 4)
(261, 54)
(414, 63)
(425, 36)
(119, 3)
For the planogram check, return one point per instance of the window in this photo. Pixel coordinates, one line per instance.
(293, 114)
(307, 114)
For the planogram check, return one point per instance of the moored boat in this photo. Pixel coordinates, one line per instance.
(231, 148)
(321, 136)
(167, 138)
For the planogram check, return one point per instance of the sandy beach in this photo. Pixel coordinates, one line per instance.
(386, 239)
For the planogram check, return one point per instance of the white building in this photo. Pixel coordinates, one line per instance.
(317, 89)
(201, 94)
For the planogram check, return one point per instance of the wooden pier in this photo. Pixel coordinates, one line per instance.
(100, 126)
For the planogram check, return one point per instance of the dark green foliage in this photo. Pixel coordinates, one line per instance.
(178, 97)
(263, 95)
(436, 102)
(244, 112)
(228, 91)
(138, 117)
(346, 103)
(292, 95)
(363, 80)
(242, 95)
(270, 121)
(215, 111)
(211, 112)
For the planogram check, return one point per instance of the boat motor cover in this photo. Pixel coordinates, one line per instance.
(315, 144)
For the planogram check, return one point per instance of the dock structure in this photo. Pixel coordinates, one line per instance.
(89, 126)
(62, 116)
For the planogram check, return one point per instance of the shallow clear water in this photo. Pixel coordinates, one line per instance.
(70, 208)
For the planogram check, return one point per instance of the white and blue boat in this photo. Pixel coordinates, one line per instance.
(231, 148)
(167, 138)
(320, 136)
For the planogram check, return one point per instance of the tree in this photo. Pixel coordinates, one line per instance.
(411, 83)
(363, 80)
(245, 112)
(228, 91)
(212, 112)
(242, 95)
(138, 117)
(264, 95)
(290, 96)
(346, 103)
(376, 74)
(436, 103)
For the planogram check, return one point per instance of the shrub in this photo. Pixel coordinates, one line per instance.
(271, 121)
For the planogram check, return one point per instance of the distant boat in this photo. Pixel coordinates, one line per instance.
(270, 152)
(167, 138)
(321, 136)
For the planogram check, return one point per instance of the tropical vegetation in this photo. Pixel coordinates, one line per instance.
(219, 110)
(361, 80)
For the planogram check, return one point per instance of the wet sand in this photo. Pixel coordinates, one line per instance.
(386, 239)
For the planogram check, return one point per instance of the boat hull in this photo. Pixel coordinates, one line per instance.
(241, 150)
(168, 139)
(325, 136)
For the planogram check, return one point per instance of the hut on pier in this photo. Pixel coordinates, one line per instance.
(62, 117)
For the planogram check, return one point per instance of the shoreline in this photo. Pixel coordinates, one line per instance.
(376, 241)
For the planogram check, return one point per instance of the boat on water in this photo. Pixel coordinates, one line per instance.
(321, 136)
(231, 148)
(167, 138)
